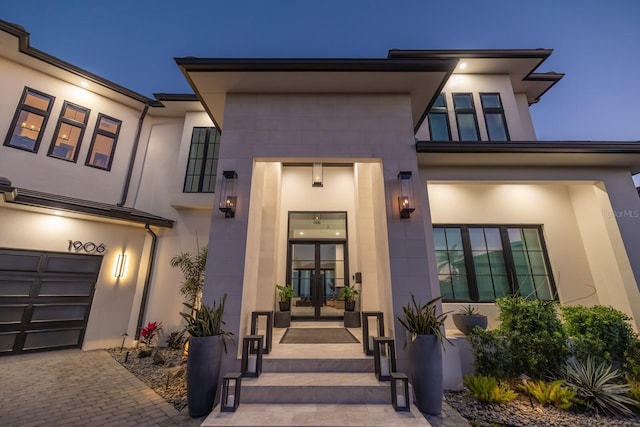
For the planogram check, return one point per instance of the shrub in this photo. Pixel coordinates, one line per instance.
(149, 332)
(530, 340)
(550, 393)
(603, 333)
(631, 366)
(598, 386)
(634, 392)
(175, 340)
(488, 389)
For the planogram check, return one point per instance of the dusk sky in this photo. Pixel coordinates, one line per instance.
(133, 43)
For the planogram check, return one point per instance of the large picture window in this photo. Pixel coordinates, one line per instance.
(482, 263)
(203, 161)
(103, 143)
(30, 120)
(68, 135)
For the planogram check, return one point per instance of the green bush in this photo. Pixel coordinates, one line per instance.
(598, 386)
(603, 333)
(488, 389)
(530, 340)
(634, 391)
(631, 366)
(553, 393)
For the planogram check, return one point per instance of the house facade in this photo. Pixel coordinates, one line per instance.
(416, 174)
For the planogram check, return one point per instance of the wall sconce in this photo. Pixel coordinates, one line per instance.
(228, 193)
(405, 191)
(121, 263)
(316, 175)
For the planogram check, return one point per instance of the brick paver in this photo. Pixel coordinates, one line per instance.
(79, 388)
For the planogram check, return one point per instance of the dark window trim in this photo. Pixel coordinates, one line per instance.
(506, 247)
(439, 110)
(23, 106)
(494, 110)
(471, 110)
(201, 172)
(70, 122)
(97, 131)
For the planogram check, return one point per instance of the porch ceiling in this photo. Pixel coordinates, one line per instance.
(212, 79)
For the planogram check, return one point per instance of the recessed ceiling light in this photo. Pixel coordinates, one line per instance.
(337, 233)
(84, 83)
(57, 213)
(463, 65)
(301, 233)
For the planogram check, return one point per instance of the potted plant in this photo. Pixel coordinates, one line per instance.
(349, 294)
(468, 318)
(425, 342)
(206, 343)
(285, 293)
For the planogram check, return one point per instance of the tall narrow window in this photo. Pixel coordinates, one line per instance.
(30, 120)
(482, 263)
(103, 143)
(68, 135)
(466, 117)
(439, 120)
(494, 117)
(203, 161)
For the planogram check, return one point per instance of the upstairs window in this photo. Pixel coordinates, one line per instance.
(494, 117)
(69, 132)
(439, 120)
(103, 143)
(30, 120)
(203, 161)
(482, 263)
(466, 117)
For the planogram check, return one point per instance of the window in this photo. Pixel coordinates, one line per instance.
(482, 263)
(203, 161)
(103, 143)
(30, 120)
(68, 135)
(439, 120)
(494, 117)
(466, 117)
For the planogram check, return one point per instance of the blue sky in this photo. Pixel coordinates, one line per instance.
(133, 43)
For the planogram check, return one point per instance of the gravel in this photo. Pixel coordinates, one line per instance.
(155, 376)
(520, 413)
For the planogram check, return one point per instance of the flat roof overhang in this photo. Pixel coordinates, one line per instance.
(535, 154)
(39, 201)
(212, 79)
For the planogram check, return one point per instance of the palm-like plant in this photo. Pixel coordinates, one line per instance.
(423, 319)
(597, 386)
(192, 267)
(205, 321)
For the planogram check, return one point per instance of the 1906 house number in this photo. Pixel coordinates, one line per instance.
(89, 247)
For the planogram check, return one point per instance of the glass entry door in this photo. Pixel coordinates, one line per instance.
(317, 272)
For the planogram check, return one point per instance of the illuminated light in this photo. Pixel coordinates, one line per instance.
(302, 233)
(84, 83)
(463, 65)
(316, 175)
(337, 233)
(121, 264)
(57, 213)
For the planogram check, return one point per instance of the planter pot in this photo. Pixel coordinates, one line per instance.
(203, 369)
(349, 305)
(465, 323)
(425, 361)
(285, 305)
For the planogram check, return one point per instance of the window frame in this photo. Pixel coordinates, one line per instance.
(33, 110)
(439, 111)
(471, 110)
(72, 123)
(211, 132)
(494, 110)
(97, 131)
(510, 267)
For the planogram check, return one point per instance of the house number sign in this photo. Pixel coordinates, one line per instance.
(88, 247)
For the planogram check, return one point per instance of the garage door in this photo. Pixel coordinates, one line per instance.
(45, 298)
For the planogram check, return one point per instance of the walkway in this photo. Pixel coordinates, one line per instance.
(77, 388)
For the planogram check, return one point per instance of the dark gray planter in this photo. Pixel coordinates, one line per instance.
(284, 305)
(466, 322)
(203, 370)
(350, 305)
(425, 361)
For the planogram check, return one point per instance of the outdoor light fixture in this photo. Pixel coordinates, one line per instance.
(121, 263)
(400, 392)
(228, 193)
(252, 352)
(229, 401)
(384, 357)
(405, 197)
(316, 175)
(367, 339)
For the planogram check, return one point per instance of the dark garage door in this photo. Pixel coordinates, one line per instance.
(45, 298)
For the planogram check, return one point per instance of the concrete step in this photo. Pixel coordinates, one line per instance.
(316, 387)
(364, 364)
(315, 415)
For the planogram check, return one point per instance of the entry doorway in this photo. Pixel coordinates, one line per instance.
(317, 268)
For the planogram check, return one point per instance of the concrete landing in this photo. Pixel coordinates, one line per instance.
(315, 415)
